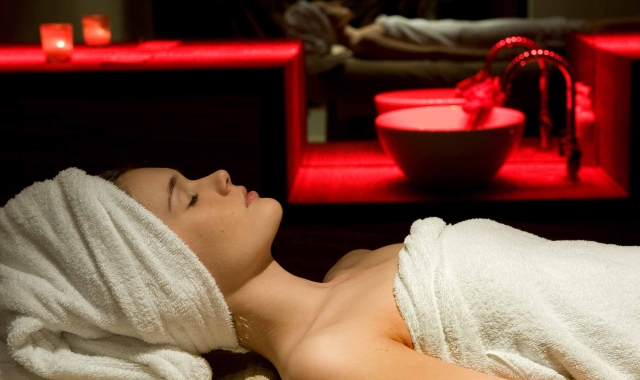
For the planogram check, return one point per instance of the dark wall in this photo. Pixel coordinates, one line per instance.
(481, 9)
(20, 19)
(194, 121)
(263, 18)
(217, 19)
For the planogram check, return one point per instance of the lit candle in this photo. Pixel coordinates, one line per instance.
(96, 30)
(57, 41)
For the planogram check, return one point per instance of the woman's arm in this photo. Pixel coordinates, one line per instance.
(372, 359)
(378, 46)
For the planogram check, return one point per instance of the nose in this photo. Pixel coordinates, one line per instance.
(222, 181)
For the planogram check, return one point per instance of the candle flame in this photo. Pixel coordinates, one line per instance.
(60, 44)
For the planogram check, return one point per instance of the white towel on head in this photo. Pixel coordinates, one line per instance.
(94, 286)
(501, 301)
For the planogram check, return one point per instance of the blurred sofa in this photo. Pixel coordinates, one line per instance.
(347, 85)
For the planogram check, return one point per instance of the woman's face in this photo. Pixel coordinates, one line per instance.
(211, 215)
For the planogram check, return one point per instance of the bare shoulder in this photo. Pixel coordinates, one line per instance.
(345, 262)
(345, 356)
(323, 356)
(359, 257)
(337, 354)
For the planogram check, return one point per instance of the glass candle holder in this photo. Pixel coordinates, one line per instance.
(96, 30)
(57, 41)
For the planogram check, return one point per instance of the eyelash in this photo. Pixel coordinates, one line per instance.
(194, 199)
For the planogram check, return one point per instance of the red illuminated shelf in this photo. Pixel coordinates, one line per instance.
(153, 55)
(625, 44)
(296, 172)
(360, 172)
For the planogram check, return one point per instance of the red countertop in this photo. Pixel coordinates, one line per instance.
(154, 55)
(625, 44)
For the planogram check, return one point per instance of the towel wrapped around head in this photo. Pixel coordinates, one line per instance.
(94, 286)
(309, 23)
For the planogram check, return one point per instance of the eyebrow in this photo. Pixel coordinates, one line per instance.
(172, 185)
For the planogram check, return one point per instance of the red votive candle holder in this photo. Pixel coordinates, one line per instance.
(96, 30)
(57, 41)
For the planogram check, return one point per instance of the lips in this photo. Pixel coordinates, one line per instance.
(248, 197)
(251, 196)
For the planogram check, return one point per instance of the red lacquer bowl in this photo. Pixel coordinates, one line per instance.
(395, 100)
(435, 149)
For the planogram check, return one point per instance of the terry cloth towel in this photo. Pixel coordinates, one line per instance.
(477, 33)
(501, 301)
(94, 286)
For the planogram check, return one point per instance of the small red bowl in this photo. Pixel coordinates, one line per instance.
(435, 149)
(395, 100)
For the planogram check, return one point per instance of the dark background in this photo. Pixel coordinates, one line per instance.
(262, 18)
(305, 246)
(309, 247)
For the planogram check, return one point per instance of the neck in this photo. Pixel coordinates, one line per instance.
(274, 311)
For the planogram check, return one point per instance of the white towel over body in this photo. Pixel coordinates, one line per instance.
(501, 301)
(477, 33)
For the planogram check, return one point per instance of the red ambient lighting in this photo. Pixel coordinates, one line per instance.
(360, 172)
(161, 55)
(175, 55)
(625, 44)
(335, 172)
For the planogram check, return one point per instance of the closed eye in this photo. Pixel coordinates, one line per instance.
(194, 199)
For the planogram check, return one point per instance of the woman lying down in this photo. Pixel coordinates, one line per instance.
(321, 24)
(136, 278)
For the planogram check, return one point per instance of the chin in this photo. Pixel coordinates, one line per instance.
(272, 210)
(267, 216)
(277, 210)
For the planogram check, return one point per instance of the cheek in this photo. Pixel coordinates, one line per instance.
(209, 241)
(245, 233)
(217, 232)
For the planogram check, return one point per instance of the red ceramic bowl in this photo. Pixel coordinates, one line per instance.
(435, 149)
(395, 100)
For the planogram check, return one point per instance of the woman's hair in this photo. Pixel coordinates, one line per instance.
(113, 175)
(308, 22)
